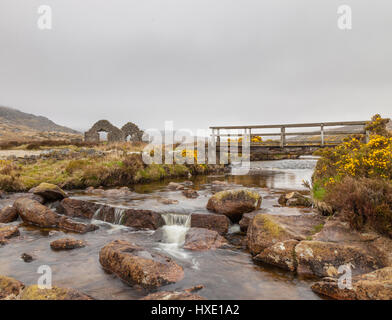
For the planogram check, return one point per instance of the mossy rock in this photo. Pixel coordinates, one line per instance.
(49, 191)
(56, 293)
(10, 288)
(234, 203)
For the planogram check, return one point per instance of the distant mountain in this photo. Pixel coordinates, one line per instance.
(21, 126)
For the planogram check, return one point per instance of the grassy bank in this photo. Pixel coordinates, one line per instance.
(110, 170)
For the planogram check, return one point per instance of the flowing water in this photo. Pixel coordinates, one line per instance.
(225, 273)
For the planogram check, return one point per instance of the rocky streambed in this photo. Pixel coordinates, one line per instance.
(160, 241)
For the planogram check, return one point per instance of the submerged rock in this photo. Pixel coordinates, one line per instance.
(200, 239)
(175, 186)
(7, 232)
(136, 265)
(376, 285)
(77, 227)
(10, 288)
(186, 294)
(167, 201)
(8, 214)
(234, 203)
(217, 222)
(67, 244)
(281, 254)
(190, 193)
(56, 293)
(26, 257)
(50, 192)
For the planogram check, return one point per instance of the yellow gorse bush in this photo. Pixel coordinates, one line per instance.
(253, 139)
(357, 159)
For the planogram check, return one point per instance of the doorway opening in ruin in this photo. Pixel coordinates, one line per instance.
(103, 135)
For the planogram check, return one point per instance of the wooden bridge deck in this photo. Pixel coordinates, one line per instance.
(283, 139)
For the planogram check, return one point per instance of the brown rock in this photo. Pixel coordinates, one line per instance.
(7, 232)
(294, 199)
(67, 244)
(376, 285)
(56, 293)
(200, 239)
(136, 265)
(49, 192)
(34, 213)
(234, 203)
(10, 288)
(77, 227)
(26, 257)
(280, 255)
(78, 208)
(190, 193)
(142, 219)
(217, 222)
(246, 220)
(322, 259)
(173, 295)
(8, 214)
(175, 186)
(267, 229)
(168, 201)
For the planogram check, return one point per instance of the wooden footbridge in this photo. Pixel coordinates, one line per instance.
(272, 141)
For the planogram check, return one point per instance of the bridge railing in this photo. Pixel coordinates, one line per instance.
(224, 134)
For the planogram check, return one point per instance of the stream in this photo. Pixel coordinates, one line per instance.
(227, 273)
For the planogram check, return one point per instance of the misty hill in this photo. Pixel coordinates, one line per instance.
(12, 116)
(17, 125)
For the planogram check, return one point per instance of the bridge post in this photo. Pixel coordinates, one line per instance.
(282, 137)
(218, 137)
(367, 136)
(322, 135)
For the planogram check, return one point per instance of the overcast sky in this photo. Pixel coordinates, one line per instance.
(196, 62)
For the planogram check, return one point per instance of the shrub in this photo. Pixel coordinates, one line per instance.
(363, 202)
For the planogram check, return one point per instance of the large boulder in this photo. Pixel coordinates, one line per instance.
(10, 288)
(50, 192)
(67, 244)
(234, 203)
(281, 255)
(8, 214)
(200, 239)
(35, 293)
(267, 229)
(36, 214)
(217, 222)
(323, 259)
(136, 265)
(376, 285)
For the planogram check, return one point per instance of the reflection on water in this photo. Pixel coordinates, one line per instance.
(225, 273)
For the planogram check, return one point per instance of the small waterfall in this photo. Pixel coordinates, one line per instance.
(96, 213)
(176, 227)
(118, 214)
